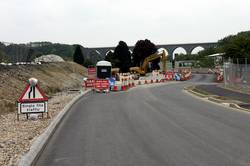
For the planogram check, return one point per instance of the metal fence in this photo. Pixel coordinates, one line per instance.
(237, 73)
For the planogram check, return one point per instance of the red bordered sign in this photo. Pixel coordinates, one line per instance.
(101, 84)
(32, 100)
(89, 83)
(91, 72)
(32, 94)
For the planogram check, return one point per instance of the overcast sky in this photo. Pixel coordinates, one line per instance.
(98, 23)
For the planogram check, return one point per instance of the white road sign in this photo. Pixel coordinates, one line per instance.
(36, 107)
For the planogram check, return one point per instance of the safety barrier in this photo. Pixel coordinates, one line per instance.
(219, 76)
(169, 76)
(127, 81)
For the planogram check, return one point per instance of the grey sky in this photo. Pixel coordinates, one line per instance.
(95, 23)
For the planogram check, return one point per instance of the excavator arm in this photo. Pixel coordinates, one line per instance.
(143, 68)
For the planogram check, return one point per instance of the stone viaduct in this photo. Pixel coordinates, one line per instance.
(170, 48)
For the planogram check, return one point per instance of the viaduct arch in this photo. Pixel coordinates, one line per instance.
(188, 47)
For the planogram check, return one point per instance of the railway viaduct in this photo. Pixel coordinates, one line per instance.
(170, 48)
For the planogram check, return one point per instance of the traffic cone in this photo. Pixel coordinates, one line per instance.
(115, 88)
(123, 88)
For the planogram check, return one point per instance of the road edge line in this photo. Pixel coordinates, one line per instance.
(41, 141)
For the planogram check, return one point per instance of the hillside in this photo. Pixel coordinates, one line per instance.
(53, 77)
(10, 52)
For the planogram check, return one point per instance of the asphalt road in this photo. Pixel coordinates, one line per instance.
(153, 126)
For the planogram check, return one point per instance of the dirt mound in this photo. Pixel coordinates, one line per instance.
(53, 77)
(49, 58)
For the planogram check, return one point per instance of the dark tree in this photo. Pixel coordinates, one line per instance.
(109, 56)
(30, 55)
(78, 56)
(122, 56)
(88, 63)
(112, 59)
(3, 56)
(143, 49)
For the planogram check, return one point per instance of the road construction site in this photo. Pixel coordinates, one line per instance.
(157, 125)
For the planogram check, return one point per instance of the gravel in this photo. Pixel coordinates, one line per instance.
(17, 136)
(49, 58)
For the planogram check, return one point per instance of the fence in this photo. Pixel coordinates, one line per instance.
(237, 73)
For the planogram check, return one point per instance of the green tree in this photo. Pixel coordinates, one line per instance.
(30, 55)
(3, 56)
(208, 51)
(201, 59)
(236, 46)
(78, 56)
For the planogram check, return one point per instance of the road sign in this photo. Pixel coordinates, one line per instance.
(101, 84)
(35, 107)
(32, 100)
(111, 81)
(92, 72)
(89, 83)
(32, 94)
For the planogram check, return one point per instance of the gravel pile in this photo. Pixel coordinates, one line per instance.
(49, 58)
(17, 136)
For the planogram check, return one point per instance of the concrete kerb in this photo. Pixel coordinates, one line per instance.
(233, 105)
(197, 94)
(40, 142)
(213, 98)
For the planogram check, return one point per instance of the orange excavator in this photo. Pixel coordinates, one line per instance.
(142, 70)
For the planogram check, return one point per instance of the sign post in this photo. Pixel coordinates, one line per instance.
(32, 100)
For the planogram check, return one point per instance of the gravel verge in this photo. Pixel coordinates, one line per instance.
(17, 136)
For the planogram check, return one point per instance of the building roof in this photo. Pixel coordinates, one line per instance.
(218, 54)
(103, 63)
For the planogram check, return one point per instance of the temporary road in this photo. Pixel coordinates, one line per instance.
(150, 126)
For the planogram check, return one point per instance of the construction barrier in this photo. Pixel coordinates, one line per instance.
(101, 85)
(169, 76)
(219, 77)
(126, 81)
